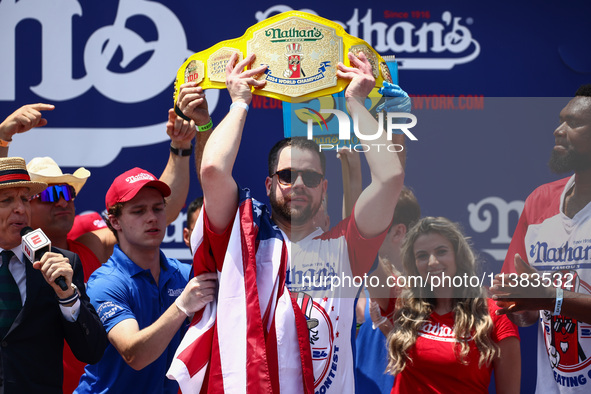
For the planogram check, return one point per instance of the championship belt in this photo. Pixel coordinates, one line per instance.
(301, 51)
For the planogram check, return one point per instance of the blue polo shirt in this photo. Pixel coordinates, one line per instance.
(121, 290)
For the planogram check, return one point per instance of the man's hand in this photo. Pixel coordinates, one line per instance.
(24, 119)
(199, 292)
(374, 311)
(395, 99)
(52, 266)
(360, 75)
(526, 291)
(239, 81)
(192, 103)
(180, 131)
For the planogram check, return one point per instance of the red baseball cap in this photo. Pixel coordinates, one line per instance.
(127, 185)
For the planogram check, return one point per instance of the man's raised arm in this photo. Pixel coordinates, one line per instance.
(176, 174)
(220, 192)
(375, 207)
(23, 119)
(193, 105)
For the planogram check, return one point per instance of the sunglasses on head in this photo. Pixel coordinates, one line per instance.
(289, 177)
(54, 192)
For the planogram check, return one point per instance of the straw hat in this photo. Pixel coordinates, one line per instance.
(13, 173)
(45, 169)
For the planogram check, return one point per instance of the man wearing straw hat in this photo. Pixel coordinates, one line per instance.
(54, 210)
(36, 315)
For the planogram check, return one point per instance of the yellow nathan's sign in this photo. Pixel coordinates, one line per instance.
(301, 51)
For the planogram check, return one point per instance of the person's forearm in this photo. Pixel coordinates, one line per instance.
(222, 146)
(352, 181)
(524, 318)
(384, 165)
(576, 306)
(200, 141)
(375, 206)
(176, 175)
(218, 161)
(145, 346)
(5, 136)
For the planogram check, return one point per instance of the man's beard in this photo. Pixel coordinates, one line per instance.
(296, 217)
(569, 161)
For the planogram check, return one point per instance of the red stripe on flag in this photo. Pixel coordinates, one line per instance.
(197, 354)
(214, 383)
(203, 261)
(305, 350)
(272, 357)
(257, 370)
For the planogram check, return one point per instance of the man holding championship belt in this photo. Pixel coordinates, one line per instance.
(266, 331)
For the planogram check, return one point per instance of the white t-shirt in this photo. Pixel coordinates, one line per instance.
(321, 266)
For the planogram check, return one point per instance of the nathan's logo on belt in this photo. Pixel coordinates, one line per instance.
(280, 35)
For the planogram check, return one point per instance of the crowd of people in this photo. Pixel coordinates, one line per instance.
(106, 310)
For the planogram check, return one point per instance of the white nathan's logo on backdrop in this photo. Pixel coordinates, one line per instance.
(168, 51)
(495, 210)
(441, 45)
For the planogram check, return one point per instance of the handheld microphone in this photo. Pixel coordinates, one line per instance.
(34, 245)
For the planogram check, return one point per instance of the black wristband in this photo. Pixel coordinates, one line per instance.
(181, 114)
(181, 152)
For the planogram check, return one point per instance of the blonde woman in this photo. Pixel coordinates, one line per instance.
(446, 336)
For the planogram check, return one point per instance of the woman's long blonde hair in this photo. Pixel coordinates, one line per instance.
(414, 306)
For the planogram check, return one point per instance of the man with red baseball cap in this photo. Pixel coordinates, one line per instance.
(142, 297)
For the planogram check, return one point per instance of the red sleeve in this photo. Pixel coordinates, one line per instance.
(502, 326)
(541, 204)
(389, 311)
(214, 245)
(362, 251)
(517, 245)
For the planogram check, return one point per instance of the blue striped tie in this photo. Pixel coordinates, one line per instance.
(10, 296)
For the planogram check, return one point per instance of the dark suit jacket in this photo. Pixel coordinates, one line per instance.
(31, 352)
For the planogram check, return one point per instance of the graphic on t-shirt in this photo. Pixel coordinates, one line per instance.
(438, 332)
(306, 304)
(563, 334)
(322, 336)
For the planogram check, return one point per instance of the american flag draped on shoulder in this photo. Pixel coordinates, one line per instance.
(254, 337)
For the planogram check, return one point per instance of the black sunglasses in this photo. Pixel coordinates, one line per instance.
(289, 177)
(567, 324)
